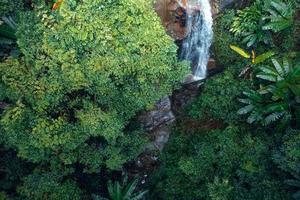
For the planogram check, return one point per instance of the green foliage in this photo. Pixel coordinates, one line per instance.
(222, 39)
(278, 99)
(85, 71)
(281, 15)
(83, 78)
(288, 159)
(3, 196)
(12, 170)
(125, 192)
(46, 185)
(218, 98)
(219, 164)
(220, 189)
(7, 7)
(248, 25)
(255, 59)
(255, 23)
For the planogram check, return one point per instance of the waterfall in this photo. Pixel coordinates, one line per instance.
(196, 45)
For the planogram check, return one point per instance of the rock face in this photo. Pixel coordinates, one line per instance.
(173, 15)
(160, 115)
(156, 122)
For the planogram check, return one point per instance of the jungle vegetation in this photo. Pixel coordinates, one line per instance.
(75, 74)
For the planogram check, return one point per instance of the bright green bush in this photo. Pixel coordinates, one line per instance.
(87, 69)
(84, 72)
(218, 99)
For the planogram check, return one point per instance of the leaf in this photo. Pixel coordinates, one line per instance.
(286, 66)
(296, 195)
(278, 67)
(139, 196)
(292, 182)
(253, 56)
(245, 101)
(261, 58)
(245, 109)
(130, 188)
(5, 41)
(252, 118)
(268, 70)
(267, 77)
(273, 117)
(240, 51)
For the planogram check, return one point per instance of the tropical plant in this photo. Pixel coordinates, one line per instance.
(276, 100)
(248, 25)
(254, 59)
(7, 31)
(255, 23)
(124, 192)
(280, 15)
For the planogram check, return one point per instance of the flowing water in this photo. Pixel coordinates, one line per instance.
(196, 45)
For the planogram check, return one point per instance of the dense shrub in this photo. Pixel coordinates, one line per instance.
(218, 99)
(86, 69)
(82, 78)
(8, 7)
(255, 24)
(219, 164)
(45, 185)
(288, 159)
(222, 39)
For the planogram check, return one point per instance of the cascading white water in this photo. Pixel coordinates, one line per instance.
(196, 45)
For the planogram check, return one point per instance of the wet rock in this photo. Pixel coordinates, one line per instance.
(160, 137)
(213, 68)
(173, 16)
(160, 115)
(185, 95)
(211, 64)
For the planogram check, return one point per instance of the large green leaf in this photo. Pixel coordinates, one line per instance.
(267, 77)
(245, 110)
(263, 57)
(240, 51)
(278, 67)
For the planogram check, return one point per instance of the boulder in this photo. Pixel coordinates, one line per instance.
(160, 115)
(173, 15)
